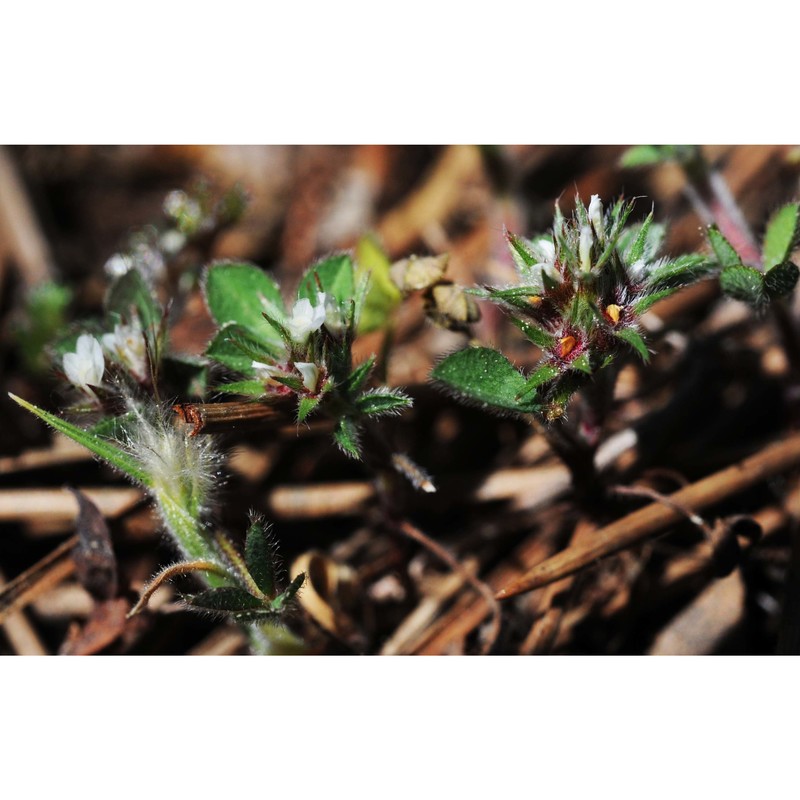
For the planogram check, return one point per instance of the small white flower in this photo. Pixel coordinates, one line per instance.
(127, 345)
(585, 248)
(310, 373)
(306, 318)
(84, 368)
(171, 241)
(596, 217)
(117, 265)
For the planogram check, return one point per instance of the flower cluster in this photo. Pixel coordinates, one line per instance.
(582, 290)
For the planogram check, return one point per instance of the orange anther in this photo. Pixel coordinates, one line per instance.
(534, 299)
(613, 312)
(567, 345)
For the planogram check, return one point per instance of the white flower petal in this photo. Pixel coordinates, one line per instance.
(585, 248)
(310, 373)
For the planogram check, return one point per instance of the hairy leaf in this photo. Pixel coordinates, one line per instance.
(259, 557)
(723, 249)
(103, 448)
(542, 374)
(743, 283)
(346, 436)
(535, 334)
(358, 377)
(484, 375)
(633, 338)
(383, 401)
(781, 279)
(240, 293)
(333, 275)
(306, 406)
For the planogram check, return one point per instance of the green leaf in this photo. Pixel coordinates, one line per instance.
(259, 557)
(236, 293)
(535, 334)
(237, 347)
(633, 338)
(103, 448)
(44, 316)
(781, 279)
(358, 377)
(281, 601)
(382, 295)
(483, 375)
(542, 374)
(640, 306)
(306, 406)
(743, 283)
(643, 155)
(229, 600)
(678, 272)
(781, 237)
(521, 252)
(346, 436)
(723, 249)
(245, 388)
(333, 275)
(383, 401)
(582, 364)
(636, 250)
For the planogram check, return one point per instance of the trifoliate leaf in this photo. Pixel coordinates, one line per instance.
(333, 276)
(483, 375)
(781, 237)
(781, 279)
(240, 293)
(723, 249)
(633, 338)
(103, 448)
(259, 557)
(743, 283)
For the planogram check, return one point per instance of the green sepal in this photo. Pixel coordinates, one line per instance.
(646, 303)
(236, 293)
(346, 436)
(332, 275)
(236, 347)
(636, 250)
(782, 234)
(723, 249)
(483, 375)
(383, 401)
(245, 388)
(358, 377)
(259, 557)
(633, 338)
(306, 405)
(743, 283)
(542, 374)
(582, 364)
(781, 279)
(101, 447)
(534, 334)
(678, 272)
